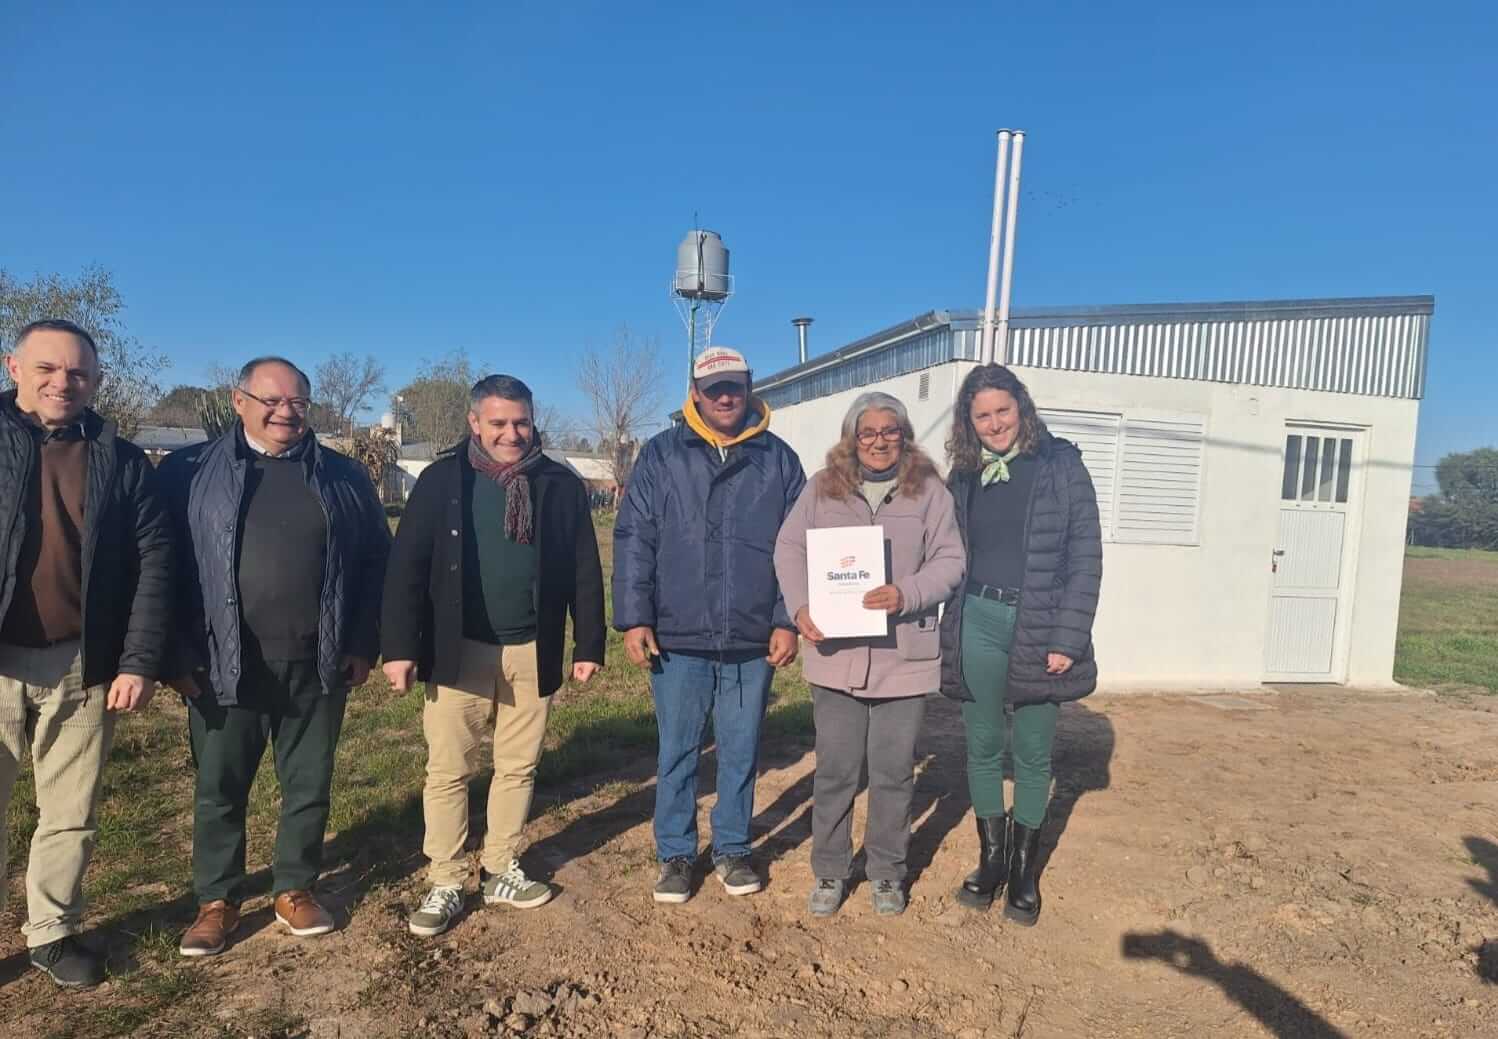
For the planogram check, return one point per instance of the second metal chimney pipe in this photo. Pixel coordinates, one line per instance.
(1001, 344)
(801, 324)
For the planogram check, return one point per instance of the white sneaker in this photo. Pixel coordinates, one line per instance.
(437, 912)
(514, 888)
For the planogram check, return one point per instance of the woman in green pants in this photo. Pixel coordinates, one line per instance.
(1017, 642)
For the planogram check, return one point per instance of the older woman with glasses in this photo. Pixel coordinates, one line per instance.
(1019, 641)
(869, 694)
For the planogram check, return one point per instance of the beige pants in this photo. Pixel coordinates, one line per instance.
(495, 712)
(43, 703)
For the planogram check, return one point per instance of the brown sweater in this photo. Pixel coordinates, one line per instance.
(48, 604)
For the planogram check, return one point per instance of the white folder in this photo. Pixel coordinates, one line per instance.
(842, 564)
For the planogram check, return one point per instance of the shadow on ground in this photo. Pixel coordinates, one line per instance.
(1485, 854)
(1280, 1012)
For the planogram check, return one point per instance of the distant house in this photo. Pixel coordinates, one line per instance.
(159, 441)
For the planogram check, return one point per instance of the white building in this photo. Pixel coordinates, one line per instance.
(1252, 461)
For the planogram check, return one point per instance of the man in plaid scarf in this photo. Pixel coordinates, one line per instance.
(495, 549)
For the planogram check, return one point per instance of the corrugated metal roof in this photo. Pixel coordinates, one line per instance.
(1374, 346)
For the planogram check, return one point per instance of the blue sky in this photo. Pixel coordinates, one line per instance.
(513, 178)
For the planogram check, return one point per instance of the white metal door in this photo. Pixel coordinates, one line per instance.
(1311, 561)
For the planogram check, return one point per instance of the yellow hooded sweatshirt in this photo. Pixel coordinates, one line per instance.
(718, 440)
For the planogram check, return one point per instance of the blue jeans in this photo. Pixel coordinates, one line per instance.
(688, 688)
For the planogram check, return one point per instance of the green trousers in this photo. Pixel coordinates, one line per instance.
(282, 704)
(1026, 733)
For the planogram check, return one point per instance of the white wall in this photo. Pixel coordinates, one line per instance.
(1195, 616)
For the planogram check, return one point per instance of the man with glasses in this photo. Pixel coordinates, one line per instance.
(282, 548)
(696, 597)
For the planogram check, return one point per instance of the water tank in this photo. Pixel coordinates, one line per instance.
(702, 266)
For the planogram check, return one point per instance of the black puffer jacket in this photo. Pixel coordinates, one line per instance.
(1063, 571)
(127, 549)
(204, 489)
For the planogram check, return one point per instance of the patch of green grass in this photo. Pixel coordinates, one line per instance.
(1471, 555)
(1448, 620)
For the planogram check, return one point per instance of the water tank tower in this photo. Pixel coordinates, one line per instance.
(700, 287)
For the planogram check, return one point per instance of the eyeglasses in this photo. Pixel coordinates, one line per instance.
(892, 435)
(300, 405)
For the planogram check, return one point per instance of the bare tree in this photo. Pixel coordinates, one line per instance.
(433, 407)
(623, 385)
(345, 383)
(128, 387)
(557, 429)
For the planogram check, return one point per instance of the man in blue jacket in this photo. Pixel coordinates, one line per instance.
(283, 547)
(696, 597)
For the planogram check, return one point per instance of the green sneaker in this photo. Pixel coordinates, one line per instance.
(437, 912)
(514, 888)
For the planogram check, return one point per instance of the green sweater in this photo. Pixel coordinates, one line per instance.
(499, 575)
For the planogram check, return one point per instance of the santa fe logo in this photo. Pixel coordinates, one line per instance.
(848, 571)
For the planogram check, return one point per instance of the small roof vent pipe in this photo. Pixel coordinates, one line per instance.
(801, 323)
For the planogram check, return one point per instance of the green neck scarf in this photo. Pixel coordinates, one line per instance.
(996, 466)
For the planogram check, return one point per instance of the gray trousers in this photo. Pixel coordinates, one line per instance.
(851, 731)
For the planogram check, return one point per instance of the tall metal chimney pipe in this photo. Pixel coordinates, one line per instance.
(985, 349)
(801, 323)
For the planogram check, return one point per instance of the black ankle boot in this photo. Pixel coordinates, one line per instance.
(1023, 906)
(983, 883)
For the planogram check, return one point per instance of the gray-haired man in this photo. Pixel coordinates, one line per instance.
(85, 604)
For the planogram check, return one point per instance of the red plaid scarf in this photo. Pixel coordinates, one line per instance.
(519, 513)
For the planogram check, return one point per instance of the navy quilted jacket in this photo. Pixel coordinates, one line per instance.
(694, 542)
(1063, 572)
(204, 488)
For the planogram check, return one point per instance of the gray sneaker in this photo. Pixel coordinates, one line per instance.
(889, 898)
(514, 888)
(436, 912)
(674, 885)
(736, 873)
(826, 896)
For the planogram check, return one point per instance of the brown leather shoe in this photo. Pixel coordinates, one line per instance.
(210, 932)
(301, 914)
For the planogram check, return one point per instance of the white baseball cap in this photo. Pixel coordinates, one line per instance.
(720, 363)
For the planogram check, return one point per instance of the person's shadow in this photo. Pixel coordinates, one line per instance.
(1081, 762)
(1485, 854)
(1280, 1012)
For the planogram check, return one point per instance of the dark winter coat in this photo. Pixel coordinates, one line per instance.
(204, 488)
(127, 548)
(1063, 550)
(695, 540)
(423, 613)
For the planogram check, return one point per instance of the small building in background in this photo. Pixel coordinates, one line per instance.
(1253, 466)
(159, 441)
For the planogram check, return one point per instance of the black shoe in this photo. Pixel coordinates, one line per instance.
(1023, 906)
(983, 883)
(674, 884)
(736, 873)
(69, 962)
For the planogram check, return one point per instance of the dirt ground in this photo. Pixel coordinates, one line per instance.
(1299, 863)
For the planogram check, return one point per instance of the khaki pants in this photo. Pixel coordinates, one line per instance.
(43, 703)
(495, 711)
